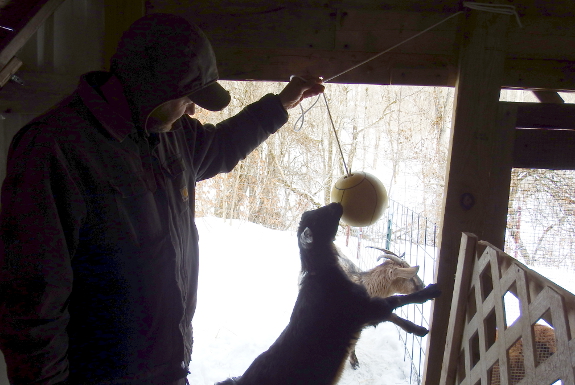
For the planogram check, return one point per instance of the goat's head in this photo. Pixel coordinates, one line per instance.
(316, 233)
(400, 277)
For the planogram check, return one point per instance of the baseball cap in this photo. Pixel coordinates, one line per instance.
(212, 97)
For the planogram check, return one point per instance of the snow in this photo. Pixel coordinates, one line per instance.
(247, 288)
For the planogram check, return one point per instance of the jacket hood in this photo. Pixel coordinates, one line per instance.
(163, 57)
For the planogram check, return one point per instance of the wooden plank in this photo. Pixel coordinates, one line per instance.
(499, 289)
(29, 25)
(547, 149)
(10, 69)
(539, 74)
(545, 115)
(391, 68)
(473, 142)
(548, 97)
(270, 29)
(432, 42)
(397, 69)
(376, 31)
(231, 7)
(495, 222)
(526, 8)
(278, 65)
(541, 37)
(362, 27)
(458, 309)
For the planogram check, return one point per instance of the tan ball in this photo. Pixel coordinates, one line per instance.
(363, 197)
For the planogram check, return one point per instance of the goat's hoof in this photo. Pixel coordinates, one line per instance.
(421, 331)
(354, 365)
(432, 291)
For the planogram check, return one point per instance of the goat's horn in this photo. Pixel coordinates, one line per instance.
(384, 250)
(392, 257)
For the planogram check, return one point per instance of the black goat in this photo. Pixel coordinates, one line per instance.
(328, 315)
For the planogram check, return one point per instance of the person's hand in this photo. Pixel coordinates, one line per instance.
(299, 88)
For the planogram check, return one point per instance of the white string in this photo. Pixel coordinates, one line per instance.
(296, 129)
(504, 9)
(395, 46)
(336, 138)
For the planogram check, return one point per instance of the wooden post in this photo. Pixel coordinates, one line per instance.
(500, 179)
(474, 141)
(458, 308)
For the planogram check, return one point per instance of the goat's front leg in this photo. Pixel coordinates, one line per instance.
(421, 296)
(382, 308)
(408, 326)
(354, 362)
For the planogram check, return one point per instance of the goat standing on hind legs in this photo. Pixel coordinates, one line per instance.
(328, 315)
(393, 276)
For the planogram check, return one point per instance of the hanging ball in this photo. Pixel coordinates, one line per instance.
(363, 197)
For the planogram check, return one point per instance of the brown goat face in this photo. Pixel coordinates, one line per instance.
(407, 281)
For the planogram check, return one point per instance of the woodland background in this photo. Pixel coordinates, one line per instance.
(401, 135)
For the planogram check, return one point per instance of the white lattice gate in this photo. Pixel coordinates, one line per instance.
(481, 349)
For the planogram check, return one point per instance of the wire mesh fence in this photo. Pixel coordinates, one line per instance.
(402, 231)
(541, 219)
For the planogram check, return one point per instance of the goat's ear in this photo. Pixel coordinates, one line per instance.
(407, 272)
(306, 238)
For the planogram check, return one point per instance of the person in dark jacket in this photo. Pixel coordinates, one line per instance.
(98, 246)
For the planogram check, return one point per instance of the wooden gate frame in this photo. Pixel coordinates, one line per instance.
(484, 275)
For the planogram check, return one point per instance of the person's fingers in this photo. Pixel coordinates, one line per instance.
(299, 88)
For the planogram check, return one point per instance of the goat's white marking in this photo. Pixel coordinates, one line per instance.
(306, 238)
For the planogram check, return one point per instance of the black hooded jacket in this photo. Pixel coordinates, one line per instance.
(98, 247)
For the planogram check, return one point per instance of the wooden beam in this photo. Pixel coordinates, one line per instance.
(547, 149)
(526, 8)
(278, 39)
(26, 26)
(548, 97)
(474, 139)
(545, 115)
(539, 74)
(278, 65)
(9, 70)
(495, 222)
(393, 68)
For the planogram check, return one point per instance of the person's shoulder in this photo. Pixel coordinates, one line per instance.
(55, 125)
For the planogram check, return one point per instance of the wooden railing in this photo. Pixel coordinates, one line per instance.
(481, 349)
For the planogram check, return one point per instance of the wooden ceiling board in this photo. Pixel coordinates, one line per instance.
(557, 8)
(266, 40)
(277, 28)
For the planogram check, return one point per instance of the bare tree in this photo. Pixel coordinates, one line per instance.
(377, 128)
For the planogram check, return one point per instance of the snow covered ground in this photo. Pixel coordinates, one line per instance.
(248, 285)
(247, 289)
